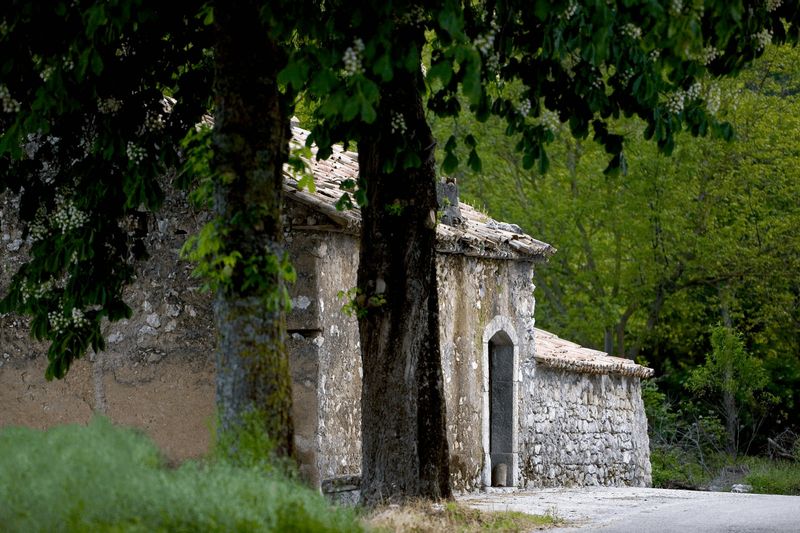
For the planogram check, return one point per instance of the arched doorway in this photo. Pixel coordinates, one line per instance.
(501, 408)
(500, 398)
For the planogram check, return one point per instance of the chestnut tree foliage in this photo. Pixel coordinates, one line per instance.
(87, 131)
(96, 99)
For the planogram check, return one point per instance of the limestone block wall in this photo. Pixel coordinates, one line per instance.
(340, 361)
(583, 429)
(323, 347)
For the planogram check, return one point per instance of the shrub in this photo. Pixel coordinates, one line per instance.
(673, 468)
(101, 477)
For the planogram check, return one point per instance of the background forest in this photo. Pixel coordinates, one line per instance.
(651, 262)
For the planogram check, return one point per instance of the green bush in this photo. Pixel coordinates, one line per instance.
(105, 478)
(773, 477)
(675, 469)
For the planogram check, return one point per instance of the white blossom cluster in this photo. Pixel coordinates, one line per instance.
(68, 217)
(206, 123)
(36, 140)
(631, 30)
(39, 228)
(675, 7)
(135, 153)
(654, 55)
(763, 38)
(550, 120)
(713, 98)
(46, 73)
(675, 102)
(485, 43)
(67, 64)
(124, 50)
(493, 62)
(772, 5)
(352, 58)
(9, 104)
(398, 123)
(88, 138)
(524, 107)
(60, 322)
(626, 75)
(153, 121)
(108, 106)
(569, 11)
(415, 15)
(598, 83)
(709, 54)
(693, 92)
(78, 318)
(29, 291)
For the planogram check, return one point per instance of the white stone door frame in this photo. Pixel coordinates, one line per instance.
(506, 325)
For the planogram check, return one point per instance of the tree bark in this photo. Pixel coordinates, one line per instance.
(250, 137)
(405, 453)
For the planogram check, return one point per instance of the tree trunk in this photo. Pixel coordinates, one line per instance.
(250, 141)
(405, 453)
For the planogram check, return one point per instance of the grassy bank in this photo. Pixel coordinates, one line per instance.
(104, 478)
(773, 477)
(677, 469)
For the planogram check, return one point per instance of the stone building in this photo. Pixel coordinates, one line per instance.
(520, 401)
(553, 413)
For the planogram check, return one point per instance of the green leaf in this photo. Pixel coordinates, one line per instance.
(450, 21)
(294, 75)
(542, 9)
(368, 113)
(442, 71)
(544, 162)
(207, 13)
(383, 67)
(450, 163)
(471, 84)
(97, 63)
(474, 161)
(411, 160)
(351, 108)
(451, 144)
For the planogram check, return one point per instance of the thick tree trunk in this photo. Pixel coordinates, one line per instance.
(250, 142)
(405, 451)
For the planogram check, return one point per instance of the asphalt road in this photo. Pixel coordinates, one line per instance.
(633, 510)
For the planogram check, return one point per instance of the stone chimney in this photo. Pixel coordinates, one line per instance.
(447, 198)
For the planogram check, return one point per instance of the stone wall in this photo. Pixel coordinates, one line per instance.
(323, 347)
(157, 373)
(584, 429)
(478, 297)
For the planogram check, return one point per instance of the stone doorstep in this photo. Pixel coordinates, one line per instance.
(341, 484)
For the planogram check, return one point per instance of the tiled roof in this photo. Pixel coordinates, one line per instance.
(556, 352)
(478, 234)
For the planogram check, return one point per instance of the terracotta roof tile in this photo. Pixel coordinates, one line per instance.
(478, 235)
(556, 352)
